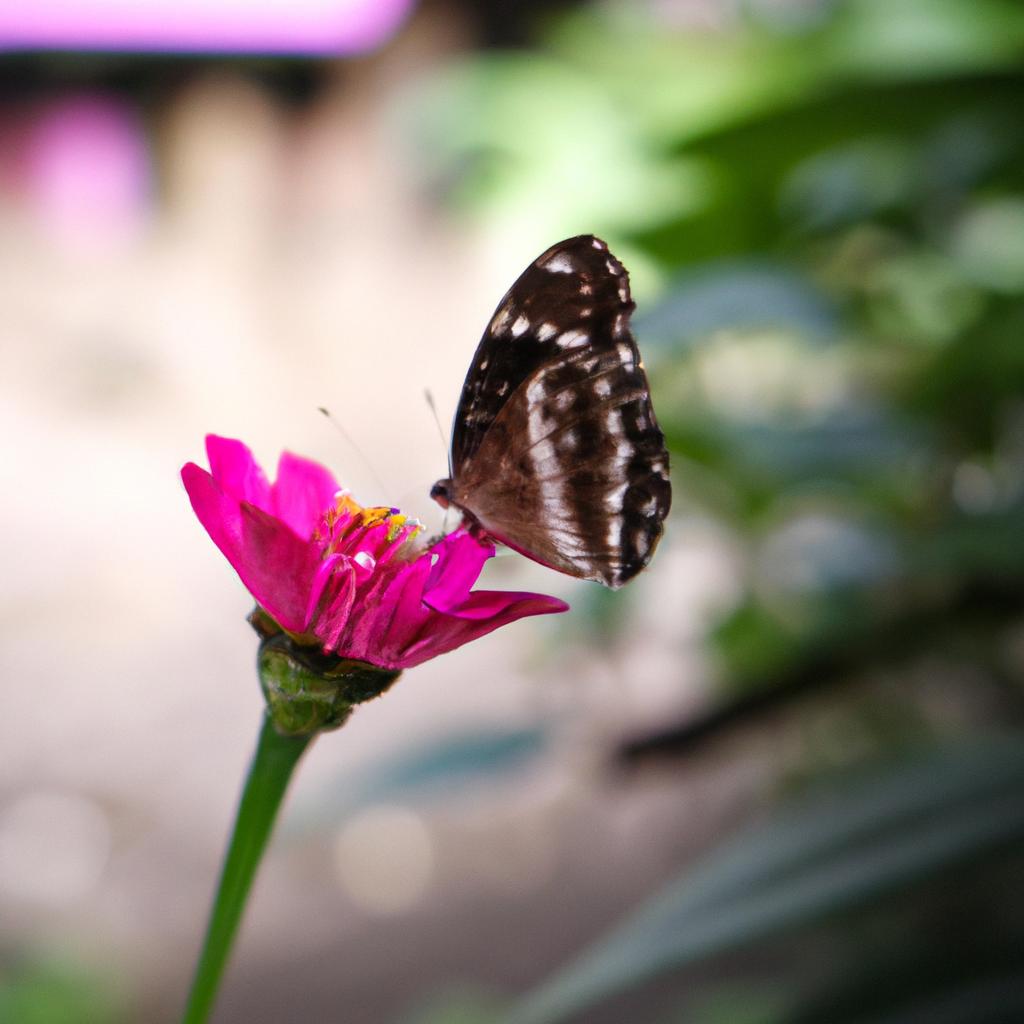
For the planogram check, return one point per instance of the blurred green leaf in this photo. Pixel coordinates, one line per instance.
(989, 243)
(736, 1006)
(854, 843)
(56, 991)
(925, 37)
(849, 182)
(549, 179)
(458, 1007)
(736, 295)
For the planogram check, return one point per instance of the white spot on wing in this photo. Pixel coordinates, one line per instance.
(573, 339)
(536, 391)
(613, 499)
(500, 320)
(542, 451)
(626, 356)
(598, 244)
(546, 331)
(614, 523)
(602, 387)
(519, 326)
(560, 263)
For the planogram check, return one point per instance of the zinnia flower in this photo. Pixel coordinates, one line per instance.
(354, 581)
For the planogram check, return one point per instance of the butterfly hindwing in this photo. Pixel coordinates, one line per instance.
(555, 449)
(575, 474)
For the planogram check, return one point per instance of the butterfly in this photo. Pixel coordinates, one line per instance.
(555, 450)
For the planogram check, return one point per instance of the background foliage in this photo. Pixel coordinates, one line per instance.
(824, 207)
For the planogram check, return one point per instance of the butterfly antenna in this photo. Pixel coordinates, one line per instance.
(367, 464)
(429, 396)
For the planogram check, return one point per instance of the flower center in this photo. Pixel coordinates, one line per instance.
(349, 528)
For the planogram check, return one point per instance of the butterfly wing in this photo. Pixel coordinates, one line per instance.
(556, 451)
(560, 291)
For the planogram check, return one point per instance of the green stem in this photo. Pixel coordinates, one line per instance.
(272, 766)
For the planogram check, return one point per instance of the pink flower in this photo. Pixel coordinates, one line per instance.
(352, 580)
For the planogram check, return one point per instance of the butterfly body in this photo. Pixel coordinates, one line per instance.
(555, 450)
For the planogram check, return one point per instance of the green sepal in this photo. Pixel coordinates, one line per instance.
(306, 690)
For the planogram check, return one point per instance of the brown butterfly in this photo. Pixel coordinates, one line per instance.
(555, 449)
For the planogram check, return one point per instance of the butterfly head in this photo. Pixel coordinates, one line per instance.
(441, 492)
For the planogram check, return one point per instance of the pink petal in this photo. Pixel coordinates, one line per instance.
(302, 492)
(333, 614)
(279, 568)
(275, 565)
(390, 616)
(234, 468)
(484, 604)
(217, 511)
(483, 612)
(321, 580)
(460, 559)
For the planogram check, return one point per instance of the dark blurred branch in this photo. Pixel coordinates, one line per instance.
(825, 664)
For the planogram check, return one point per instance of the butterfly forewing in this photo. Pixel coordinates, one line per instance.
(555, 450)
(560, 292)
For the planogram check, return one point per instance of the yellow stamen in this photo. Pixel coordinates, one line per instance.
(345, 507)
